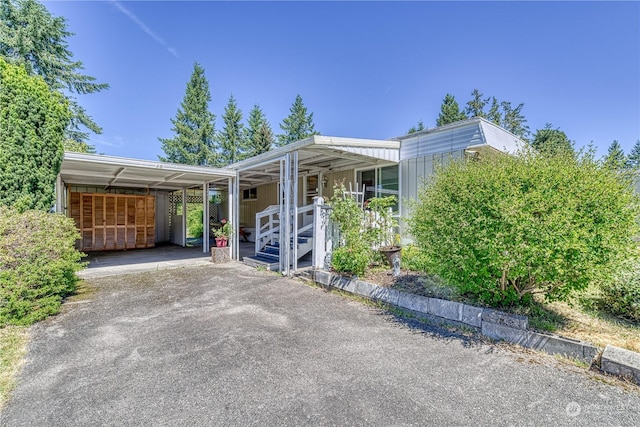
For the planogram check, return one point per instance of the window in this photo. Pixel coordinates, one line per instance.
(250, 194)
(380, 182)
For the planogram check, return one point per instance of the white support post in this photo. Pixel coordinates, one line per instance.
(205, 218)
(232, 215)
(59, 194)
(184, 217)
(319, 233)
(285, 219)
(294, 212)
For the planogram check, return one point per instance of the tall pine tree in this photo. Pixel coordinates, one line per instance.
(514, 121)
(551, 141)
(232, 146)
(633, 160)
(475, 107)
(259, 134)
(417, 128)
(494, 115)
(193, 126)
(449, 111)
(297, 125)
(32, 37)
(615, 158)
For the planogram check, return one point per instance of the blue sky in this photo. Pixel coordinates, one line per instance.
(365, 69)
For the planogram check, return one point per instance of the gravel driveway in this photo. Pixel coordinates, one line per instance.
(230, 345)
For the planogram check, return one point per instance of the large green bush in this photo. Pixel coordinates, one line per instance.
(32, 123)
(38, 262)
(505, 227)
(621, 294)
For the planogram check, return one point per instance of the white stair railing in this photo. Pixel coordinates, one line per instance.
(267, 227)
(306, 222)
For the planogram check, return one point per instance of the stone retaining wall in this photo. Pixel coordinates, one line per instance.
(491, 323)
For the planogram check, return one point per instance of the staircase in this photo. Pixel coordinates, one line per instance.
(267, 249)
(269, 256)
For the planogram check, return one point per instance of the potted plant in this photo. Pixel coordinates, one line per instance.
(223, 233)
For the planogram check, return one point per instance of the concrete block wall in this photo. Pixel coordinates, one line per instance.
(491, 323)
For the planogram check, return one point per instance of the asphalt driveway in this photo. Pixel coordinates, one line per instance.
(230, 345)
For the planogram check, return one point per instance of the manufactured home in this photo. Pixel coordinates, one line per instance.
(126, 203)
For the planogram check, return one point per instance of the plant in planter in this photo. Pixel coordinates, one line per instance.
(223, 233)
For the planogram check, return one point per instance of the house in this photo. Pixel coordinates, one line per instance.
(126, 203)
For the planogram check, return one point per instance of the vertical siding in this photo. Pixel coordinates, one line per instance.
(347, 175)
(416, 171)
(267, 195)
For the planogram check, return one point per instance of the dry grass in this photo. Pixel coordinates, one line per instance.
(596, 328)
(13, 347)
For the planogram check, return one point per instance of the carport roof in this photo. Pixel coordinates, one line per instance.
(319, 153)
(108, 171)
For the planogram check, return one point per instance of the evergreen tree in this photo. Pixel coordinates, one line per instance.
(259, 134)
(475, 107)
(78, 147)
(449, 111)
(514, 121)
(494, 115)
(551, 141)
(298, 125)
(193, 126)
(417, 128)
(32, 37)
(615, 157)
(633, 160)
(232, 145)
(33, 119)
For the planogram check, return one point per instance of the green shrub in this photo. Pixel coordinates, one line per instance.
(414, 259)
(621, 294)
(505, 227)
(351, 259)
(354, 254)
(38, 262)
(194, 222)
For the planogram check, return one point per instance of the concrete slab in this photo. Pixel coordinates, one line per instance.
(619, 361)
(450, 310)
(111, 263)
(502, 318)
(414, 302)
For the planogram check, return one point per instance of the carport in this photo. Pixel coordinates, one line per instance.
(293, 175)
(122, 203)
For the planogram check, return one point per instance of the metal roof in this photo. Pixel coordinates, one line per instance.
(318, 154)
(108, 171)
(465, 134)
